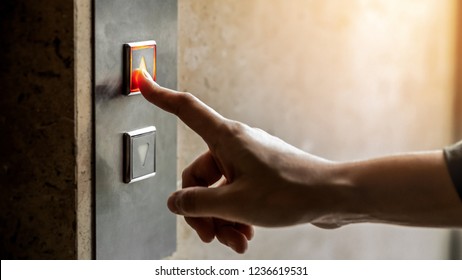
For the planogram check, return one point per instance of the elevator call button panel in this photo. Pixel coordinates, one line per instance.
(138, 55)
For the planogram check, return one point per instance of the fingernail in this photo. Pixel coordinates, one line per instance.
(146, 74)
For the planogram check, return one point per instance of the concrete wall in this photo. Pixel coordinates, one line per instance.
(340, 79)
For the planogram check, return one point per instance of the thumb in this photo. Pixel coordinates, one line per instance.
(198, 202)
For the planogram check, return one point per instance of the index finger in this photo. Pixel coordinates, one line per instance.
(194, 113)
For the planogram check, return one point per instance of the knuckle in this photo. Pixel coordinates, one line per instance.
(187, 98)
(184, 100)
(234, 129)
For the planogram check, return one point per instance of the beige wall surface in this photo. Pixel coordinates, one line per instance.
(83, 126)
(340, 79)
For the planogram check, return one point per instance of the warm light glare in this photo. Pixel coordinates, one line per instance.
(138, 56)
(143, 64)
(136, 73)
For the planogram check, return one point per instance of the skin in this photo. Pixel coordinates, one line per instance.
(259, 180)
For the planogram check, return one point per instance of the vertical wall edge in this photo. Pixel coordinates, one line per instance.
(83, 127)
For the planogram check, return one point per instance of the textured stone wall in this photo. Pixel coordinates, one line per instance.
(37, 130)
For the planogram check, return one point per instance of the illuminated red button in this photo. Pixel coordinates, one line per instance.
(138, 55)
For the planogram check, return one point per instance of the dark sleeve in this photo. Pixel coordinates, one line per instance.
(453, 156)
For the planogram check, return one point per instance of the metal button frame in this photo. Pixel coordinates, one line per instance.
(129, 165)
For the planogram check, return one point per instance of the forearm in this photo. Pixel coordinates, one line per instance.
(411, 189)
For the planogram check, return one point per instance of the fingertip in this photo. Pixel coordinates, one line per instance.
(146, 84)
(172, 203)
(206, 238)
(146, 74)
(245, 229)
(239, 248)
(233, 239)
(250, 234)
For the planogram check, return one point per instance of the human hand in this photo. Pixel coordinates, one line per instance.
(264, 181)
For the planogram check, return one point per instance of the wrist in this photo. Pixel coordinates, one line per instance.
(343, 203)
